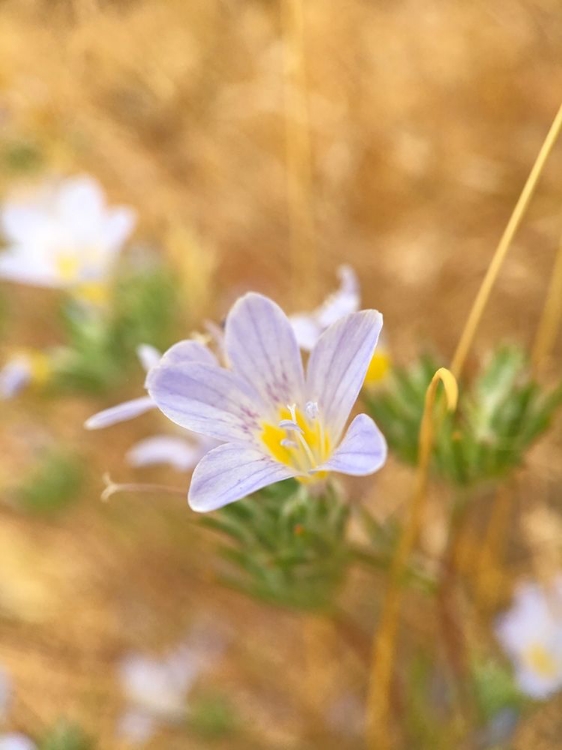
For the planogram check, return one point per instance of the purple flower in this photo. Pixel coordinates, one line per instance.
(275, 423)
(182, 453)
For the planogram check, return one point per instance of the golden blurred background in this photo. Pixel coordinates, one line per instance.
(261, 150)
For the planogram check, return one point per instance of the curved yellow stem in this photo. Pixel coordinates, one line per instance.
(550, 318)
(378, 726)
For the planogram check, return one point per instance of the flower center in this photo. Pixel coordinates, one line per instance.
(298, 439)
(67, 266)
(540, 661)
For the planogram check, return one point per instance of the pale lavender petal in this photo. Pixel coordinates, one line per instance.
(181, 454)
(14, 377)
(262, 348)
(537, 686)
(189, 351)
(21, 222)
(135, 726)
(343, 302)
(337, 366)
(149, 356)
(117, 226)
(120, 413)
(20, 267)
(16, 741)
(156, 685)
(306, 329)
(231, 472)
(362, 451)
(80, 204)
(205, 399)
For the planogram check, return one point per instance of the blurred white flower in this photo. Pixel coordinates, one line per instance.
(63, 235)
(21, 370)
(183, 452)
(531, 633)
(156, 689)
(308, 327)
(15, 741)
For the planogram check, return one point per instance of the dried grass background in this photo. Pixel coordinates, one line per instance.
(425, 118)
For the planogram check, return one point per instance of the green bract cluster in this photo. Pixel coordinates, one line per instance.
(101, 344)
(499, 415)
(285, 547)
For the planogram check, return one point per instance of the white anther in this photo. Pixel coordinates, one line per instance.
(285, 443)
(311, 409)
(288, 424)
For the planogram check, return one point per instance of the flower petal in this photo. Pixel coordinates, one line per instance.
(343, 302)
(337, 366)
(189, 351)
(362, 451)
(229, 473)
(22, 222)
(205, 399)
(148, 355)
(80, 204)
(118, 225)
(14, 377)
(19, 266)
(120, 413)
(262, 348)
(306, 329)
(16, 741)
(181, 454)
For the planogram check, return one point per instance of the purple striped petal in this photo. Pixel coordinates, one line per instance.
(337, 366)
(120, 413)
(231, 472)
(205, 399)
(262, 349)
(362, 451)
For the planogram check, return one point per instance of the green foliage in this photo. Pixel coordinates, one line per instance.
(146, 309)
(19, 156)
(494, 689)
(212, 716)
(284, 546)
(53, 484)
(498, 417)
(101, 352)
(66, 736)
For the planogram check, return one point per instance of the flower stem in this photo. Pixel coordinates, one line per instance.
(378, 729)
(550, 318)
(477, 310)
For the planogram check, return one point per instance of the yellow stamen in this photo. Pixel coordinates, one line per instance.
(67, 266)
(540, 661)
(40, 364)
(94, 292)
(302, 451)
(378, 368)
